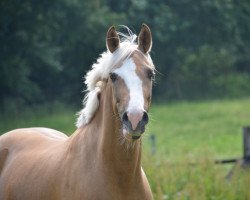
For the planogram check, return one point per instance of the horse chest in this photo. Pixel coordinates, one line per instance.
(98, 187)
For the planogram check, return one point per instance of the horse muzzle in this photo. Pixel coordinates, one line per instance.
(134, 123)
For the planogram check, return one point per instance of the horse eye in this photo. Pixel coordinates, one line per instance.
(150, 74)
(113, 77)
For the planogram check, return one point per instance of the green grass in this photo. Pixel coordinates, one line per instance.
(192, 129)
(58, 117)
(189, 137)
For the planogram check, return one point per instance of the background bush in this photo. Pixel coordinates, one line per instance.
(201, 49)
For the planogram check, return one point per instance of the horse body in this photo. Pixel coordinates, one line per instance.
(93, 163)
(32, 161)
(46, 164)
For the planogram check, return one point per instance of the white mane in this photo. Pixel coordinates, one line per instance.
(100, 71)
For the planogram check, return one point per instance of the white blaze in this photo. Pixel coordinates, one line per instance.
(134, 84)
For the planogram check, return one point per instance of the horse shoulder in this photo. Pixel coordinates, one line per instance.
(146, 186)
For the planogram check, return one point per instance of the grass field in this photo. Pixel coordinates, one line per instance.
(189, 137)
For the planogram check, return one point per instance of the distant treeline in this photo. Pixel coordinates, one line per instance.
(200, 48)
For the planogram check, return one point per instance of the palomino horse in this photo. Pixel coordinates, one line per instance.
(102, 159)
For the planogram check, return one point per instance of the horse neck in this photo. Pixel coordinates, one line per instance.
(116, 153)
(101, 139)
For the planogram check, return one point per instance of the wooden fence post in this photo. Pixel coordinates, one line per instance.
(246, 145)
(153, 144)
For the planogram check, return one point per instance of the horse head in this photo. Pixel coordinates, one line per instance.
(131, 82)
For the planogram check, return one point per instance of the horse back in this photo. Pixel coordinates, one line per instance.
(27, 159)
(3, 155)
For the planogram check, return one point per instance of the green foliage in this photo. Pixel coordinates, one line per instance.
(185, 30)
(199, 71)
(47, 47)
(200, 48)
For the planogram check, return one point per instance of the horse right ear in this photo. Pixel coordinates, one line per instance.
(112, 39)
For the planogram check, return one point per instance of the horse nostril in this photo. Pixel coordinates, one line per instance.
(145, 117)
(125, 117)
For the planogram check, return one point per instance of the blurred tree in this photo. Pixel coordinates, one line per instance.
(201, 48)
(183, 30)
(28, 46)
(46, 47)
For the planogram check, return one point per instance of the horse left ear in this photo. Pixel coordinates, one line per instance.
(145, 39)
(112, 39)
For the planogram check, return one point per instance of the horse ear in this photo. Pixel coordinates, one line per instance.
(112, 39)
(145, 39)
